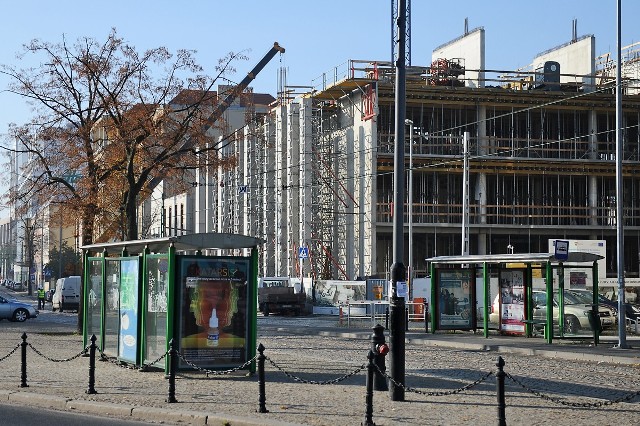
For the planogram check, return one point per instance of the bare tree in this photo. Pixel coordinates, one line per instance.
(105, 124)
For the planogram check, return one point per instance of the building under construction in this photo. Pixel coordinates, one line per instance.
(541, 151)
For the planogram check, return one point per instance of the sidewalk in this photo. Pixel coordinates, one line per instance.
(320, 349)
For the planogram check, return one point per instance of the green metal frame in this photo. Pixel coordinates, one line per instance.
(169, 249)
(544, 259)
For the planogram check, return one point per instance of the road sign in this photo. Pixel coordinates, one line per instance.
(242, 189)
(562, 250)
(303, 253)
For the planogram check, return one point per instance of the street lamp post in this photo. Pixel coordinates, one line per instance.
(622, 322)
(410, 189)
(28, 235)
(398, 271)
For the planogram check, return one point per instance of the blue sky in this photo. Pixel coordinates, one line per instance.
(317, 35)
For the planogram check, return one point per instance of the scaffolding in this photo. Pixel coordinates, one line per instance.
(541, 165)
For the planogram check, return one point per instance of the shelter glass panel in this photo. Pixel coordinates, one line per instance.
(112, 307)
(156, 315)
(94, 305)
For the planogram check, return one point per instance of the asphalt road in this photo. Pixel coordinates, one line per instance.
(15, 415)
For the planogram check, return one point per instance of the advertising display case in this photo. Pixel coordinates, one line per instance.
(512, 301)
(213, 325)
(455, 290)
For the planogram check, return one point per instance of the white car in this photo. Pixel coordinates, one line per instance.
(576, 312)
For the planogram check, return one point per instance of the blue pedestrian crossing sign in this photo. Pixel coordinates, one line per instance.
(242, 189)
(303, 253)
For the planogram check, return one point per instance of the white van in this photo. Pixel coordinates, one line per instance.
(67, 295)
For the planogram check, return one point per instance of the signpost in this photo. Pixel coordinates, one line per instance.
(303, 253)
(562, 250)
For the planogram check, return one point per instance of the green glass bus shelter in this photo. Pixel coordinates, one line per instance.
(138, 296)
(454, 277)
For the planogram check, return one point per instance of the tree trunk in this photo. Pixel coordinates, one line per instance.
(131, 219)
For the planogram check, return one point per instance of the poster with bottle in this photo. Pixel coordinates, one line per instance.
(128, 341)
(512, 308)
(213, 320)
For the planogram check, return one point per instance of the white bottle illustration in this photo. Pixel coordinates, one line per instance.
(214, 333)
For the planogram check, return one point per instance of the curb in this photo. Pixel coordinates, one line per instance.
(119, 411)
(473, 346)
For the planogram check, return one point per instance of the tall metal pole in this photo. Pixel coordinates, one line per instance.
(410, 189)
(622, 322)
(465, 195)
(398, 270)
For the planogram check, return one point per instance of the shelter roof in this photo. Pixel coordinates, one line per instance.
(573, 257)
(187, 242)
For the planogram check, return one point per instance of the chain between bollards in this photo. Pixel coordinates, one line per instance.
(23, 376)
(173, 361)
(500, 392)
(368, 417)
(92, 366)
(262, 399)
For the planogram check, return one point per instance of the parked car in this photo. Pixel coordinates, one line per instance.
(14, 310)
(631, 311)
(576, 312)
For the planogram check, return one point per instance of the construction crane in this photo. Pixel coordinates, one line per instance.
(222, 106)
(394, 31)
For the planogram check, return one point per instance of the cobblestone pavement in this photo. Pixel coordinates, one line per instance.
(311, 350)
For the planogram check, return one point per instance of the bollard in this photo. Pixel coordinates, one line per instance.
(368, 417)
(23, 377)
(92, 366)
(386, 318)
(173, 361)
(379, 348)
(262, 399)
(500, 392)
(425, 309)
(340, 315)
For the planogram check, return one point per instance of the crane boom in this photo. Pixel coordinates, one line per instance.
(222, 107)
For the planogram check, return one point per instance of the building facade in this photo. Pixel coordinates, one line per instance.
(541, 163)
